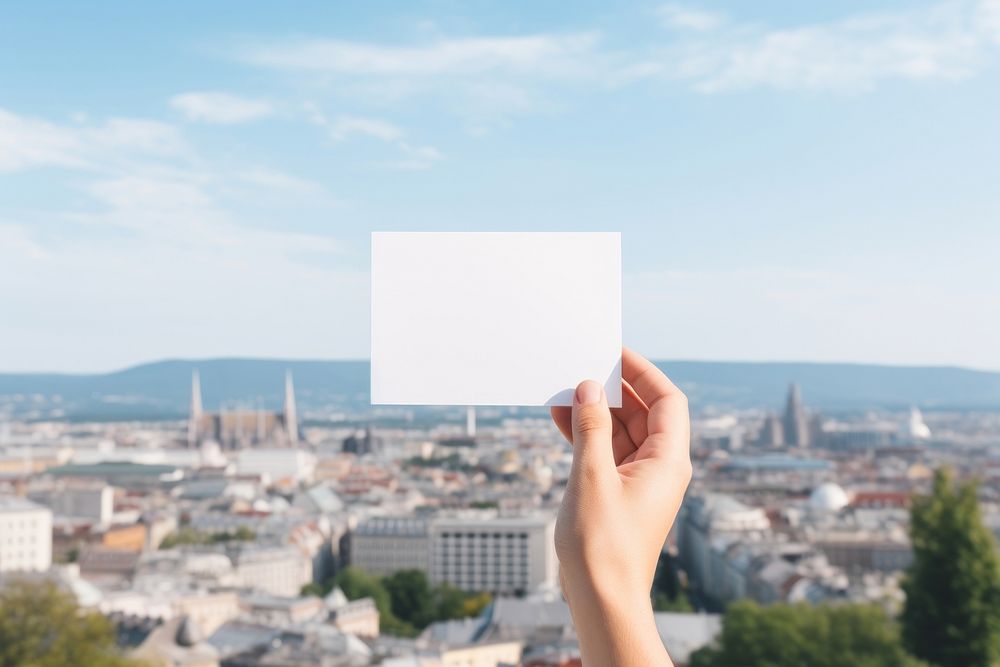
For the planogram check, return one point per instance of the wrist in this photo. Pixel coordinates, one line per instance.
(614, 624)
(613, 589)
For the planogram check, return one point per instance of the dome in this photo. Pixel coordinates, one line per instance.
(335, 599)
(828, 497)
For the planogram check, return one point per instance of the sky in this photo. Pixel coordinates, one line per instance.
(793, 181)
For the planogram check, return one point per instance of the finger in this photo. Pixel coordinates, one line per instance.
(633, 414)
(621, 442)
(593, 458)
(562, 416)
(667, 404)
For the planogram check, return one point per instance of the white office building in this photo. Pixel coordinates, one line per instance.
(502, 555)
(25, 536)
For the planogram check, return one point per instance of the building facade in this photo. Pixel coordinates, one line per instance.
(25, 536)
(508, 556)
(383, 545)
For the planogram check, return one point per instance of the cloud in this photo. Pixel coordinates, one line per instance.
(277, 180)
(678, 16)
(943, 42)
(481, 79)
(220, 108)
(531, 54)
(345, 126)
(142, 177)
(27, 142)
(709, 51)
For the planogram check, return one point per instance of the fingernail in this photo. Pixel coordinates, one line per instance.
(588, 392)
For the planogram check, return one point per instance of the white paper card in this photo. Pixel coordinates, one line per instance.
(494, 318)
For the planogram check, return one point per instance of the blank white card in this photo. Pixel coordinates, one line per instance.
(494, 318)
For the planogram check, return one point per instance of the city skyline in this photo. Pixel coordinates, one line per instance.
(791, 182)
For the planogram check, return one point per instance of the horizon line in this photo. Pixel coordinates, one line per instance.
(292, 360)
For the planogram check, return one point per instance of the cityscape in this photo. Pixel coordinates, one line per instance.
(197, 471)
(282, 535)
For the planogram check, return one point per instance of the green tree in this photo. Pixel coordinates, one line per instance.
(312, 589)
(356, 583)
(952, 612)
(41, 626)
(805, 635)
(186, 535)
(410, 596)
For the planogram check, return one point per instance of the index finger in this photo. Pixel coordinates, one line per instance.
(667, 404)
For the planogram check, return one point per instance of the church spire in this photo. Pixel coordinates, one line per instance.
(194, 416)
(291, 416)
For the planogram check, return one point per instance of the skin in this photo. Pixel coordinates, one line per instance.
(631, 466)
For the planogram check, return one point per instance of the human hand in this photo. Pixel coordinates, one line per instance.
(631, 466)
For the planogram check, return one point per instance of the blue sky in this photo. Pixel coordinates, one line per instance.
(793, 181)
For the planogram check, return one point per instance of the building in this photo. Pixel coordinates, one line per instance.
(235, 429)
(357, 617)
(501, 555)
(383, 545)
(795, 424)
(278, 570)
(361, 443)
(707, 525)
(772, 433)
(277, 465)
(92, 501)
(25, 536)
(281, 611)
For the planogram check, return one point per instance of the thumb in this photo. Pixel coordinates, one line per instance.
(592, 452)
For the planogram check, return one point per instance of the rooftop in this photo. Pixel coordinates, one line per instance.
(17, 504)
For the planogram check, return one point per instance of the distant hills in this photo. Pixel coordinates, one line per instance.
(161, 389)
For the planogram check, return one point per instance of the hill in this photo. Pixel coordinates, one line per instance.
(162, 389)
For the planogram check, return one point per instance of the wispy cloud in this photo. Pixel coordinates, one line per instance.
(531, 54)
(710, 51)
(679, 16)
(142, 176)
(948, 41)
(345, 126)
(220, 108)
(27, 142)
(278, 180)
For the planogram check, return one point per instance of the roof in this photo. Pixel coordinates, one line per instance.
(453, 633)
(111, 468)
(393, 527)
(776, 462)
(18, 504)
(324, 498)
(522, 613)
(235, 637)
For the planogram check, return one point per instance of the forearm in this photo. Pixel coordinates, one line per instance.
(614, 628)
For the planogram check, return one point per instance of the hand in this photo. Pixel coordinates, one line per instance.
(631, 466)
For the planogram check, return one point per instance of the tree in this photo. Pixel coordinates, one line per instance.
(952, 612)
(406, 602)
(410, 596)
(798, 635)
(357, 584)
(41, 626)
